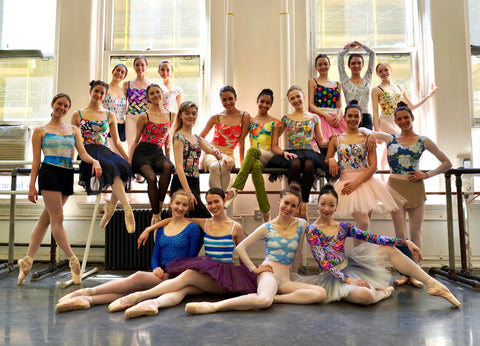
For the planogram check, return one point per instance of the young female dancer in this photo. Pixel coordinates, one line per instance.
(231, 128)
(180, 238)
(404, 151)
(148, 157)
(362, 277)
(324, 98)
(357, 87)
(283, 243)
(136, 92)
(214, 273)
(260, 152)
(173, 94)
(116, 102)
(360, 193)
(187, 148)
(95, 122)
(55, 182)
(299, 157)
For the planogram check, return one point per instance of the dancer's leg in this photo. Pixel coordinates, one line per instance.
(250, 158)
(415, 220)
(225, 177)
(368, 296)
(295, 172)
(362, 221)
(259, 183)
(400, 223)
(152, 189)
(214, 179)
(300, 293)
(165, 166)
(308, 177)
(118, 189)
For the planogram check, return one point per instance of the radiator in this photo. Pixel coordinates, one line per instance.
(121, 247)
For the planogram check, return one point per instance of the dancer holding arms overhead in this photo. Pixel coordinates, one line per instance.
(284, 237)
(149, 149)
(55, 182)
(95, 122)
(173, 94)
(357, 87)
(362, 278)
(180, 238)
(231, 128)
(260, 152)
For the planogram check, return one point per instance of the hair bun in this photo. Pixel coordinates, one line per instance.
(327, 188)
(353, 102)
(267, 91)
(402, 104)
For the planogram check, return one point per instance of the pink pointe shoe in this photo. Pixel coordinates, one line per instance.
(76, 270)
(129, 220)
(435, 288)
(231, 195)
(77, 303)
(146, 308)
(108, 212)
(24, 266)
(200, 308)
(123, 303)
(78, 293)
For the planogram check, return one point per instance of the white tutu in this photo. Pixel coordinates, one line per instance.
(367, 262)
(366, 197)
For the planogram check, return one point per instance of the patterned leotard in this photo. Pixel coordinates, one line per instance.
(388, 103)
(57, 149)
(226, 137)
(261, 134)
(191, 155)
(326, 99)
(403, 159)
(155, 133)
(116, 105)
(219, 249)
(352, 156)
(300, 133)
(94, 131)
(279, 249)
(170, 99)
(137, 100)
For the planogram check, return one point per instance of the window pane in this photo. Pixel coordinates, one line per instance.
(186, 73)
(373, 22)
(155, 25)
(25, 89)
(401, 73)
(476, 85)
(474, 17)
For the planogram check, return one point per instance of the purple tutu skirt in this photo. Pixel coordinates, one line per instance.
(234, 278)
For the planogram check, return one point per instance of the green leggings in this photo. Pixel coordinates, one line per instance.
(251, 163)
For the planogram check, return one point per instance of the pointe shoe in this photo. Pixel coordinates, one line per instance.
(77, 303)
(387, 291)
(130, 221)
(123, 303)
(231, 195)
(415, 283)
(78, 293)
(435, 288)
(24, 266)
(108, 211)
(401, 281)
(75, 269)
(200, 308)
(146, 308)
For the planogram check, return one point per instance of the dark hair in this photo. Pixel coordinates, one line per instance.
(94, 83)
(355, 55)
(292, 189)
(328, 189)
(179, 122)
(153, 85)
(324, 56)
(140, 57)
(267, 92)
(215, 191)
(59, 96)
(402, 106)
(122, 65)
(228, 88)
(353, 104)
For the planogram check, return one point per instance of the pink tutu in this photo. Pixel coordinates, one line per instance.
(367, 196)
(328, 130)
(234, 278)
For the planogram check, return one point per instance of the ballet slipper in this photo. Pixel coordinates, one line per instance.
(123, 303)
(77, 303)
(75, 269)
(401, 281)
(200, 308)
(24, 266)
(231, 195)
(155, 219)
(435, 288)
(108, 211)
(387, 291)
(415, 283)
(78, 293)
(145, 308)
(129, 220)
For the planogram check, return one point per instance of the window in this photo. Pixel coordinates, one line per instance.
(165, 29)
(26, 60)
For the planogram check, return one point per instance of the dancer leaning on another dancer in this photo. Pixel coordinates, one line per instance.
(404, 151)
(283, 243)
(149, 150)
(301, 129)
(357, 87)
(260, 152)
(214, 273)
(360, 192)
(95, 122)
(231, 128)
(180, 238)
(55, 182)
(363, 277)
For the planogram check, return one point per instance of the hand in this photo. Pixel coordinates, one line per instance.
(227, 162)
(142, 239)
(336, 120)
(159, 273)
(218, 154)
(97, 169)
(357, 282)
(193, 201)
(371, 142)
(416, 176)
(350, 187)
(262, 268)
(332, 167)
(433, 90)
(32, 194)
(289, 156)
(415, 250)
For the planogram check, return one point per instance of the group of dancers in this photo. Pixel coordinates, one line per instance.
(176, 271)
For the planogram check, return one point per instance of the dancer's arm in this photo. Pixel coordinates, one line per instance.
(375, 98)
(258, 234)
(141, 122)
(298, 254)
(115, 138)
(37, 139)
(311, 103)
(241, 142)
(330, 161)
(155, 261)
(210, 123)
(445, 162)
(142, 239)
(433, 90)
(84, 156)
(322, 141)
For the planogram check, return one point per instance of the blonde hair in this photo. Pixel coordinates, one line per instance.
(294, 87)
(180, 192)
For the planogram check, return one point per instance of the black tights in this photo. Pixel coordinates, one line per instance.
(157, 194)
(304, 175)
